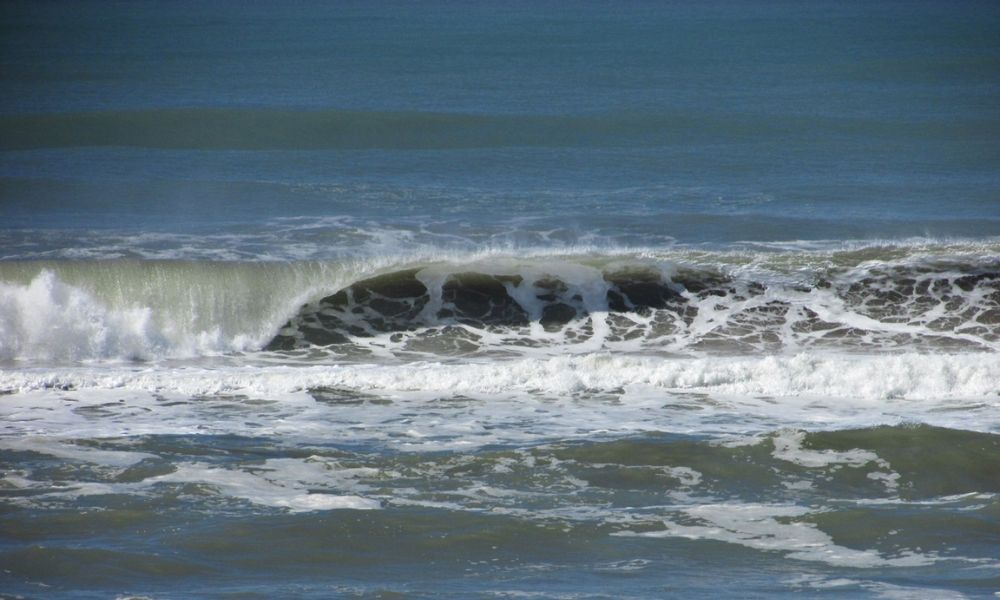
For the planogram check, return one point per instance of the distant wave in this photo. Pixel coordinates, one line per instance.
(282, 129)
(253, 129)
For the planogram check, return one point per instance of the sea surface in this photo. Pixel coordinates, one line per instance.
(499, 300)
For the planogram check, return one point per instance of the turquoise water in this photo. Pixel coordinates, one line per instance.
(424, 300)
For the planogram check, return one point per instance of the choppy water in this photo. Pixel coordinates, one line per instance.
(430, 300)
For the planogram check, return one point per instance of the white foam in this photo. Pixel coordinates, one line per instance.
(890, 591)
(878, 588)
(859, 377)
(685, 475)
(517, 401)
(297, 485)
(112, 458)
(772, 528)
(788, 447)
(283, 483)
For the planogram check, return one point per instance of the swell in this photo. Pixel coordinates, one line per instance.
(254, 129)
(281, 129)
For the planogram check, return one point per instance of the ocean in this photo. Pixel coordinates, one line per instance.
(499, 300)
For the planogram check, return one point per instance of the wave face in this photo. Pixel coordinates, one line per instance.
(676, 302)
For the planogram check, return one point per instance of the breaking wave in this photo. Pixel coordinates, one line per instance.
(683, 303)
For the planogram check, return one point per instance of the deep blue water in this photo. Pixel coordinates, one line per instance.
(859, 120)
